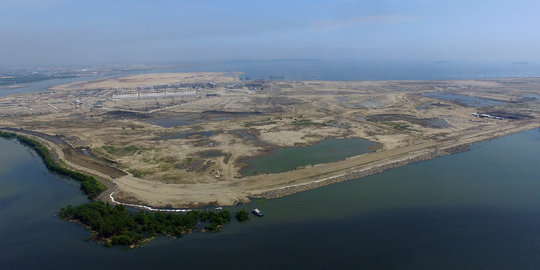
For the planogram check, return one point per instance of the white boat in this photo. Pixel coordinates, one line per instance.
(257, 212)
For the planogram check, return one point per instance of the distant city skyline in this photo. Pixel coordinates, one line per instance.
(61, 32)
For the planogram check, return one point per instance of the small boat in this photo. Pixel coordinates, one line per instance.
(257, 212)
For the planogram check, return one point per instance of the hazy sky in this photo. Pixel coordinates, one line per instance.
(52, 32)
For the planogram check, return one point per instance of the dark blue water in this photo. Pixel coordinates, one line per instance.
(474, 210)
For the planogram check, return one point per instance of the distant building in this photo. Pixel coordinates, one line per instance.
(255, 86)
(234, 86)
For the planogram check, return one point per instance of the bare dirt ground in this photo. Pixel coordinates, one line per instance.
(176, 140)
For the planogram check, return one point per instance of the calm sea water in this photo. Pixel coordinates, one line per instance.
(43, 85)
(367, 69)
(474, 210)
(348, 70)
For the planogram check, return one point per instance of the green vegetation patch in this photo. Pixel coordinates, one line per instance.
(521, 105)
(242, 215)
(123, 150)
(307, 122)
(260, 123)
(103, 154)
(89, 184)
(114, 225)
(398, 125)
(131, 148)
(139, 172)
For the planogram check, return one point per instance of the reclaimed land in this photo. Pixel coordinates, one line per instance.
(178, 140)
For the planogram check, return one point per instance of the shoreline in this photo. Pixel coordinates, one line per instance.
(356, 172)
(89, 184)
(344, 175)
(126, 153)
(363, 172)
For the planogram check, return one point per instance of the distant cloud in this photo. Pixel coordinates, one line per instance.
(364, 20)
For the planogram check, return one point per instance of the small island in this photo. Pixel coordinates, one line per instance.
(114, 225)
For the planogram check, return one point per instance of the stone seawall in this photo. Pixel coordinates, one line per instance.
(359, 173)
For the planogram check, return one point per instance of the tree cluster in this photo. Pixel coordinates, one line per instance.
(115, 225)
(89, 185)
(242, 215)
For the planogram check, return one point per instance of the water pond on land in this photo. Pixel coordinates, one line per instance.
(183, 120)
(370, 104)
(287, 159)
(188, 135)
(212, 153)
(467, 101)
(186, 119)
(531, 96)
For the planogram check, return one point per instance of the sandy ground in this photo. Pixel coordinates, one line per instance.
(239, 190)
(185, 151)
